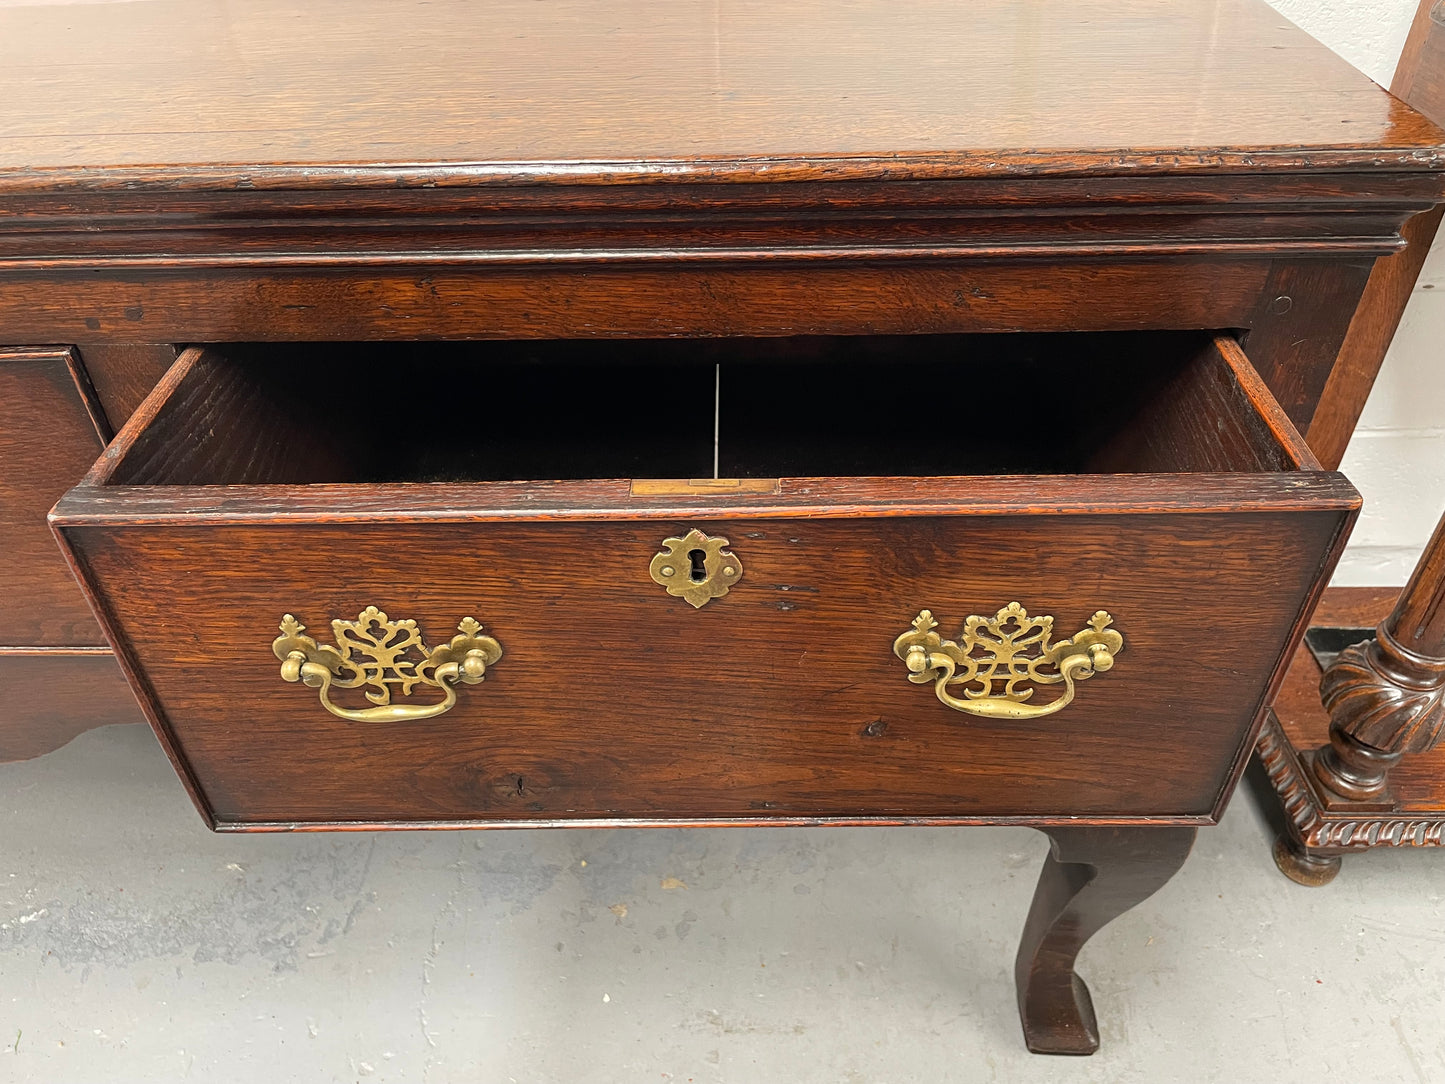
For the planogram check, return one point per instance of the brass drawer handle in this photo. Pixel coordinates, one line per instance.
(372, 651)
(998, 654)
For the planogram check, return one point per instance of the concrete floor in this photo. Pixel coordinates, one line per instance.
(137, 946)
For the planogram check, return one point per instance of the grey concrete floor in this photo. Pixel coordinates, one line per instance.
(137, 946)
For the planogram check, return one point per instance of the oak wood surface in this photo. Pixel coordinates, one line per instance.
(1212, 414)
(52, 696)
(50, 427)
(1091, 876)
(1420, 81)
(758, 299)
(217, 171)
(203, 174)
(811, 407)
(762, 701)
(200, 93)
(782, 700)
(1315, 831)
(123, 375)
(1399, 703)
(1418, 780)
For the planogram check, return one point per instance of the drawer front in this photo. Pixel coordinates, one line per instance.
(50, 434)
(782, 699)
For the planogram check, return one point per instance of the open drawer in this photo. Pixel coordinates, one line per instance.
(1142, 500)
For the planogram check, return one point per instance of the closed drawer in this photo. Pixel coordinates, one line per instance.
(864, 481)
(50, 431)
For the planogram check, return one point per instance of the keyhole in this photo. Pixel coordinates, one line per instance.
(699, 565)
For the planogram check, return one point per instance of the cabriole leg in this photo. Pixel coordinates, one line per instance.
(1091, 877)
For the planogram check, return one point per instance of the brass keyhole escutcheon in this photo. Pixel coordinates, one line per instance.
(696, 568)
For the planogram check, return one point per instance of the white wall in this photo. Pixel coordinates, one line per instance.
(1397, 456)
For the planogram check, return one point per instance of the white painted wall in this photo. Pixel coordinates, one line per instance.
(1397, 456)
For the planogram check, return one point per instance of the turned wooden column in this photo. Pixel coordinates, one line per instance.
(1386, 697)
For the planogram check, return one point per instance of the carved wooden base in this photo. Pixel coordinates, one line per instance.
(1319, 826)
(1091, 877)
(1332, 828)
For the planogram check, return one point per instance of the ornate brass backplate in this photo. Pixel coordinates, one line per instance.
(696, 568)
(997, 655)
(383, 654)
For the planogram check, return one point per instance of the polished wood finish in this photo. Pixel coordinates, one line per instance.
(202, 173)
(50, 426)
(1353, 754)
(190, 91)
(1382, 305)
(1376, 778)
(1092, 876)
(1295, 331)
(57, 675)
(835, 569)
(53, 695)
(171, 188)
(123, 375)
(1315, 831)
(1420, 81)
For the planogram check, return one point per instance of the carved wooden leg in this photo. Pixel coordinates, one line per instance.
(1386, 697)
(1091, 877)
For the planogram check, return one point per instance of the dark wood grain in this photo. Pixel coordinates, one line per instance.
(1419, 80)
(267, 435)
(809, 407)
(1317, 829)
(204, 173)
(204, 88)
(53, 696)
(1301, 317)
(1386, 697)
(623, 729)
(124, 374)
(1213, 413)
(48, 436)
(791, 700)
(1090, 878)
(761, 299)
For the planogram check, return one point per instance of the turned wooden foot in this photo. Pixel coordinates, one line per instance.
(1092, 876)
(1302, 866)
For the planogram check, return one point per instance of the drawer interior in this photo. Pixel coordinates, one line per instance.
(1152, 476)
(862, 406)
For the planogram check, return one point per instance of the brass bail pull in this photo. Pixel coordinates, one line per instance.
(998, 660)
(384, 657)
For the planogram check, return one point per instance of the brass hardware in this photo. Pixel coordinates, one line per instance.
(696, 567)
(379, 645)
(704, 487)
(1007, 650)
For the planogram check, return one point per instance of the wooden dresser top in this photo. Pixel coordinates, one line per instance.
(270, 93)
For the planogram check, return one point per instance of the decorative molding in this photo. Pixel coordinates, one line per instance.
(529, 222)
(1317, 829)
